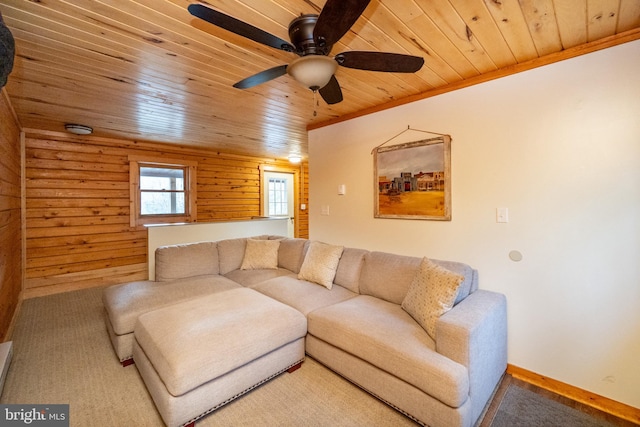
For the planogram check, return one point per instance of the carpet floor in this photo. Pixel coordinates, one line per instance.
(62, 354)
(523, 407)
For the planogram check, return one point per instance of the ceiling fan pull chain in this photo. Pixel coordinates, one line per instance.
(316, 104)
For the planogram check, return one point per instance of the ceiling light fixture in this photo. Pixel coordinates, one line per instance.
(78, 129)
(313, 71)
(295, 158)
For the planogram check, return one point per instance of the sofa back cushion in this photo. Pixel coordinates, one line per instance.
(389, 276)
(231, 254)
(186, 260)
(291, 253)
(470, 283)
(349, 268)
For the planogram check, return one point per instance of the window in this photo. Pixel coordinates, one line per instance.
(278, 199)
(163, 191)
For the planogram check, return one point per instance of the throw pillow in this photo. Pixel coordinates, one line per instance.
(260, 254)
(431, 294)
(320, 264)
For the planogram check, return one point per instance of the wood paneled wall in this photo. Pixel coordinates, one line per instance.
(303, 215)
(10, 215)
(77, 206)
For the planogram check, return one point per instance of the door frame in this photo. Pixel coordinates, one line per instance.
(296, 191)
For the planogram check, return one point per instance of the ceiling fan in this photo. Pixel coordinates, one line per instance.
(312, 37)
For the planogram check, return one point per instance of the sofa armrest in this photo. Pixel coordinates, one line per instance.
(474, 334)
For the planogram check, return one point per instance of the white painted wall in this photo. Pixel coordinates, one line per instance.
(559, 146)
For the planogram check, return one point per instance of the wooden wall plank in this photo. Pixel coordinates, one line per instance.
(74, 281)
(10, 216)
(63, 269)
(303, 214)
(87, 239)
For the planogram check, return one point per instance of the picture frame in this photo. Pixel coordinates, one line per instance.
(413, 180)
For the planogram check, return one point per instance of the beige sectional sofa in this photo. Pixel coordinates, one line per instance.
(360, 306)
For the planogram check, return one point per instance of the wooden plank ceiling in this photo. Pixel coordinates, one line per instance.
(148, 70)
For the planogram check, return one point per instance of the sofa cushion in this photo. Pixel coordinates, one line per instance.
(125, 303)
(432, 294)
(348, 272)
(231, 253)
(302, 295)
(384, 335)
(387, 276)
(251, 277)
(291, 253)
(186, 260)
(260, 254)
(320, 263)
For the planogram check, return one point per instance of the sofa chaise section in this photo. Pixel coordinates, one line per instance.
(372, 341)
(125, 303)
(183, 272)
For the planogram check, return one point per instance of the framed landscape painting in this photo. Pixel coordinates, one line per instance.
(413, 180)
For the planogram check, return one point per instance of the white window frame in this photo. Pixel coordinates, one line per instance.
(190, 192)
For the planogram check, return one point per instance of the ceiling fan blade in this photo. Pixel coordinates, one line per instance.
(380, 61)
(236, 26)
(262, 77)
(335, 19)
(331, 92)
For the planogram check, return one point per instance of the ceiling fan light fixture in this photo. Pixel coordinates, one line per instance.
(78, 129)
(313, 71)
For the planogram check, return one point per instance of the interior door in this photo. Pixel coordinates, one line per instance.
(278, 200)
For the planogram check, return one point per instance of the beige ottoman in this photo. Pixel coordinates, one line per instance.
(198, 355)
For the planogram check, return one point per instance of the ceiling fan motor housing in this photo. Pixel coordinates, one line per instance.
(301, 35)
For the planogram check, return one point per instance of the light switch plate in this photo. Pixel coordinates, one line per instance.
(502, 214)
